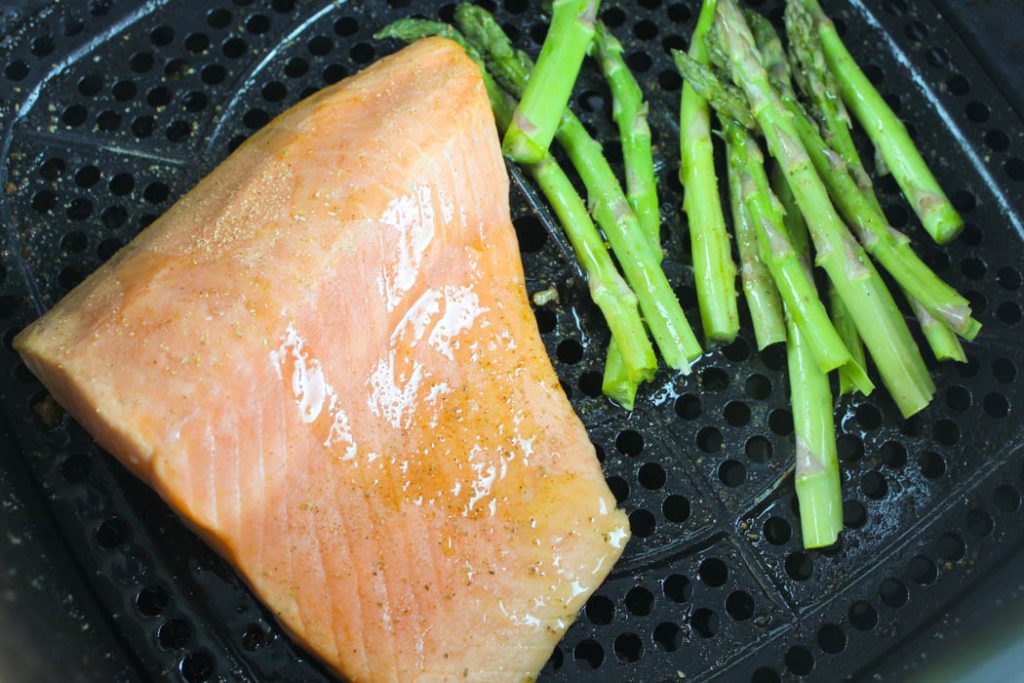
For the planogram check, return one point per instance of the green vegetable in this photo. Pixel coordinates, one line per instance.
(713, 267)
(860, 208)
(888, 134)
(816, 81)
(630, 113)
(869, 302)
(411, 30)
(779, 248)
(615, 382)
(607, 288)
(841, 320)
(812, 73)
(758, 287)
(818, 488)
(941, 339)
(544, 99)
(639, 260)
(847, 330)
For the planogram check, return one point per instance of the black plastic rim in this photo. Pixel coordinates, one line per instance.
(112, 110)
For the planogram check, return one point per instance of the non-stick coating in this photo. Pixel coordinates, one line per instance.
(114, 109)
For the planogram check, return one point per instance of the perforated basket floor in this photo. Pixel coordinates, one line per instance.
(113, 109)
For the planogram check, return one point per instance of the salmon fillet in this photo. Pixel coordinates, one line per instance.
(324, 360)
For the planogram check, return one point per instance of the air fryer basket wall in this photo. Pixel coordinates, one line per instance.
(115, 109)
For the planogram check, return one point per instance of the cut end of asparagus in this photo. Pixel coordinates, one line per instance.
(858, 377)
(722, 331)
(943, 343)
(913, 399)
(821, 511)
(846, 387)
(617, 386)
(768, 336)
(937, 214)
(946, 228)
(971, 330)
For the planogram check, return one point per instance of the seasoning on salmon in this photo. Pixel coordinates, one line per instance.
(323, 359)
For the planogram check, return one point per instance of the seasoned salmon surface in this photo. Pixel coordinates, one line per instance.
(323, 358)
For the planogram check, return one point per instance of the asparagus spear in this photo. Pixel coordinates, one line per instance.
(630, 113)
(640, 262)
(778, 247)
(411, 30)
(818, 83)
(847, 330)
(859, 285)
(835, 114)
(773, 58)
(890, 247)
(792, 274)
(888, 134)
(840, 316)
(758, 287)
(713, 267)
(607, 288)
(818, 487)
(550, 85)
(940, 337)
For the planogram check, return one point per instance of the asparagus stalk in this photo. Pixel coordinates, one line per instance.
(847, 329)
(890, 247)
(640, 262)
(888, 134)
(793, 274)
(816, 81)
(616, 383)
(859, 285)
(860, 208)
(818, 489)
(940, 337)
(713, 267)
(793, 280)
(411, 30)
(758, 287)
(840, 316)
(545, 98)
(607, 288)
(630, 113)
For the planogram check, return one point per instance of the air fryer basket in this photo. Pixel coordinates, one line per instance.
(116, 108)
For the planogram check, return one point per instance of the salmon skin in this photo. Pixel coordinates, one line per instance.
(323, 359)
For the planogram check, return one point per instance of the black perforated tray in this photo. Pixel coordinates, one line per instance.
(113, 109)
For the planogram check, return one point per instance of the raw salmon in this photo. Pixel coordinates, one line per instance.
(324, 360)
